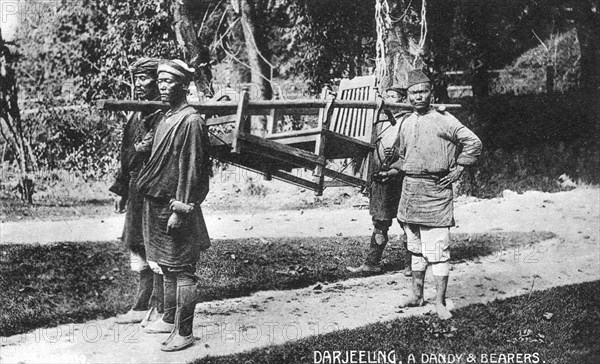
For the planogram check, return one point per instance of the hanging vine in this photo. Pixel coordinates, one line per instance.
(423, 35)
(383, 23)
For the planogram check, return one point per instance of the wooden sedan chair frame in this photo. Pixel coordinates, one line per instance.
(341, 133)
(344, 131)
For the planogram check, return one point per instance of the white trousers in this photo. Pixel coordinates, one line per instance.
(429, 245)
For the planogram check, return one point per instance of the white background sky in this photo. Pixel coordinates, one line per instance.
(9, 18)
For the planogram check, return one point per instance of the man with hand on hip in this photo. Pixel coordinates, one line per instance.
(427, 143)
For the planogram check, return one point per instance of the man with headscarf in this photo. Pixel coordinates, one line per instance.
(174, 182)
(434, 148)
(149, 300)
(385, 196)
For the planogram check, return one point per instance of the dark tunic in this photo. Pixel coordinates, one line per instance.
(178, 169)
(136, 127)
(384, 197)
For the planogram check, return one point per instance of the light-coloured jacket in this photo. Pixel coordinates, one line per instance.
(428, 144)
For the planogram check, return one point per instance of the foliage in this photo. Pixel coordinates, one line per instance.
(515, 122)
(330, 41)
(527, 74)
(536, 168)
(84, 141)
(77, 52)
(90, 45)
(530, 140)
(73, 53)
(94, 42)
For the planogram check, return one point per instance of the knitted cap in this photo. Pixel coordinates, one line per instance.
(415, 77)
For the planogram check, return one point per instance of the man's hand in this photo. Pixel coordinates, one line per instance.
(388, 152)
(385, 176)
(175, 222)
(120, 204)
(451, 177)
(180, 207)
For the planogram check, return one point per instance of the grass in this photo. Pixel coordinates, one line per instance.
(48, 285)
(58, 195)
(515, 325)
(534, 168)
(531, 140)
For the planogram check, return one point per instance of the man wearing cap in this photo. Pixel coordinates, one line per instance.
(384, 196)
(174, 182)
(427, 144)
(149, 292)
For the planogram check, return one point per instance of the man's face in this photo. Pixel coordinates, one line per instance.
(145, 86)
(419, 96)
(393, 96)
(171, 88)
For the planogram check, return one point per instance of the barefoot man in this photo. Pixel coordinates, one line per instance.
(174, 182)
(428, 143)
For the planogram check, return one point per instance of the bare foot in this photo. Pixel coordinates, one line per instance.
(442, 311)
(412, 302)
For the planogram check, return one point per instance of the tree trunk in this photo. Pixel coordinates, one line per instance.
(589, 45)
(196, 54)
(10, 114)
(401, 43)
(257, 51)
(477, 32)
(440, 19)
(550, 79)
(255, 47)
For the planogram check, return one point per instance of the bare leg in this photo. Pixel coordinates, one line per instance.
(407, 259)
(416, 299)
(441, 283)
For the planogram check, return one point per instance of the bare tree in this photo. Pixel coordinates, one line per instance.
(11, 126)
(256, 46)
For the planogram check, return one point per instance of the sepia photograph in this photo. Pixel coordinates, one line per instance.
(300, 181)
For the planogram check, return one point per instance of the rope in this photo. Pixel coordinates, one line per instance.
(423, 36)
(383, 24)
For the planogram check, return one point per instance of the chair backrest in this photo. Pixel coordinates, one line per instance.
(355, 123)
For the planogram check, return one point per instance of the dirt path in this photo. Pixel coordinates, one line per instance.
(220, 226)
(273, 317)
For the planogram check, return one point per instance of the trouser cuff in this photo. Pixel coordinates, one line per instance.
(440, 268)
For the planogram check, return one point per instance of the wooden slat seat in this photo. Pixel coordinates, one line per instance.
(342, 133)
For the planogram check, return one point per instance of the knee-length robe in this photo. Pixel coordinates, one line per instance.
(178, 169)
(137, 126)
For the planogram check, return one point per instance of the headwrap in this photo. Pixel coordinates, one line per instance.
(396, 87)
(416, 77)
(145, 65)
(177, 68)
